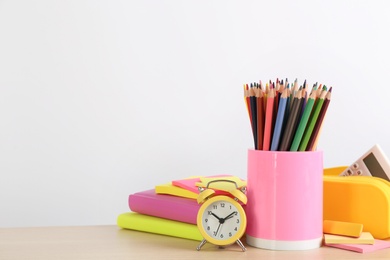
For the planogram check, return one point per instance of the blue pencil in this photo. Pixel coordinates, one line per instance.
(279, 120)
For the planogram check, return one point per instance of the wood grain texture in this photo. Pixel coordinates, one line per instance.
(111, 242)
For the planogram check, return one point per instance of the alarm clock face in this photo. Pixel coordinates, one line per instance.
(221, 220)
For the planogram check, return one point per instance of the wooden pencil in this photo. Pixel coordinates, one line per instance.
(268, 119)
(304, 97)
(291, 122)
(294, 89)
(311, 146)
(279, 120)
(254, 115)
(260, 117)
(275, 110)
(312, 121)
(284, 118)
(288, 108)
(247, 100)
(303, 122)
(282, 87)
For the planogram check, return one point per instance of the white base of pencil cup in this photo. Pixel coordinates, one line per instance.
(284, 245)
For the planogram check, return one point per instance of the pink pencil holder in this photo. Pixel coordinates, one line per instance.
(284, 209)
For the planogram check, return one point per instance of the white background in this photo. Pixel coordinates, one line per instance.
(101, 99)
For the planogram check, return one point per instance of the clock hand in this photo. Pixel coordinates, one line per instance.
(216, 217)
(216, 232)
(230, 215)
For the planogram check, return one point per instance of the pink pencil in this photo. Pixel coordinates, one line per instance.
(268, 119)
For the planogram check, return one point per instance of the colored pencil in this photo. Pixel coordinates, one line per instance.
(288, 106)
(319, 132)
(294, 90)
(275, 109)
(253, 115)
(283, 117)
(311, 146)
(260, 117)
(303, 122)
(279, 120)
(268, 119)
(304, 97)
(312, 121)
(291, 122)
(247, 100)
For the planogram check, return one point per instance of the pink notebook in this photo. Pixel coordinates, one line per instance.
(363, 248)
(164, 206)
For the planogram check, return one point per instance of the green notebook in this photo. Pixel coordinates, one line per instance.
(140, 222)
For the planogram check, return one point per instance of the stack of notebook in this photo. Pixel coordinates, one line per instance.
(169, 209)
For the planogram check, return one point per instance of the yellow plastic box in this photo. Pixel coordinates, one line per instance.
(358, 199)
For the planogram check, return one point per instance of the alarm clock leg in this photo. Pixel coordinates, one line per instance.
(241, 245)
(201, 244)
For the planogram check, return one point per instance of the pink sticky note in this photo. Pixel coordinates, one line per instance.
(363, 248)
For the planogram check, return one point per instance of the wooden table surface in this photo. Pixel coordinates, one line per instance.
(111, 242)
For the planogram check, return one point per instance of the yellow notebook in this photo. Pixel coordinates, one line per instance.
(145, 223)
(365, 238)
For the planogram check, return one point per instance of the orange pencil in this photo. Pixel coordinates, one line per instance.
(268, 120)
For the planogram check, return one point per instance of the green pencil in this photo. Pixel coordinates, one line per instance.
(303, 122)
(312, 121)
(312, 145)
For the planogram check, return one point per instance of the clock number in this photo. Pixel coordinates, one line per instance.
(208, 227)
(215, 206)
(209, 212)
(206, 220)
(222, 205)
(230, 234)
(235, 229)
(238, 221)
(221, 235)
